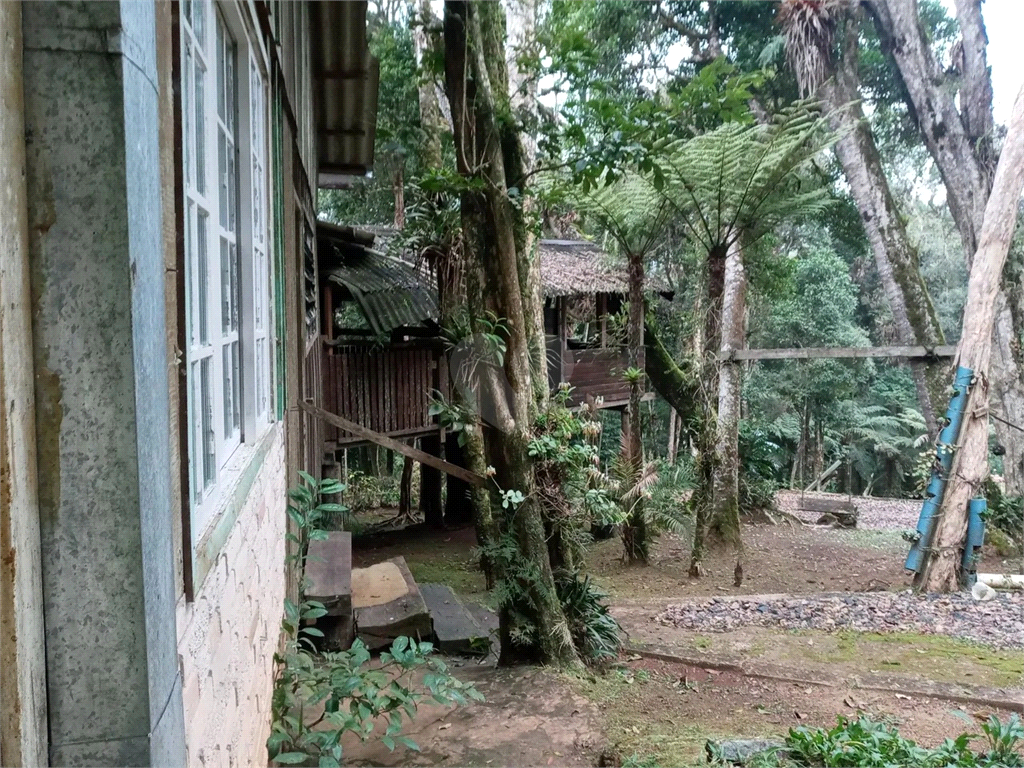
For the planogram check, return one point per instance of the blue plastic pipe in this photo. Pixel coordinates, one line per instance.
(944, 460)
(975, 539)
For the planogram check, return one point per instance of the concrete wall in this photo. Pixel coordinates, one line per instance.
(228, 636)
(100, 357)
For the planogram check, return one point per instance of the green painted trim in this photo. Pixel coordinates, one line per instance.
(212, 543)
(279, 260)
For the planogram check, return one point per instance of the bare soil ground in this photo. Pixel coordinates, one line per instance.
(667, 710)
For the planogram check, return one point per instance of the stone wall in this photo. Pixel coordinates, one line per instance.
(227, 637)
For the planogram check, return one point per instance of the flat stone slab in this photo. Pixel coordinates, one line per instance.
(329, 571)
(388, 602)
(457, 631)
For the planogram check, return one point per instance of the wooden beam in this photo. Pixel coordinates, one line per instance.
(818, 353)
(386, 442)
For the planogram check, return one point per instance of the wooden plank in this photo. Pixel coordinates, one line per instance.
(818, 353)
(398, 447)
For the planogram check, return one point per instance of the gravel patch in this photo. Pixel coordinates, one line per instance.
(873, 513)
(998, 623)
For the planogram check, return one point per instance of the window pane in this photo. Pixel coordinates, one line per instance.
(227, 290)
(232, 189)
(209, 438)
(237, 411)
(261, 387)
(199, 21)
(202, 304)
(200, 126)
(222, 166)
(221, 101)
(190, 248)
(187, 100)
(231, 404)
(233, 259)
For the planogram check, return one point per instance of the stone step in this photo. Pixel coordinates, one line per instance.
(329, 571)
(455, 628)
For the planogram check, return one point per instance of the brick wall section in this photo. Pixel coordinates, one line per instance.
(228, 636)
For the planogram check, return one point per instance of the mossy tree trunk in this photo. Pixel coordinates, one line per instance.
(635, 537)
(707, 457)
(724, 523)
(533, 625)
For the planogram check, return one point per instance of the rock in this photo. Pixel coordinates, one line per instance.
(738, 751)
(983, 592)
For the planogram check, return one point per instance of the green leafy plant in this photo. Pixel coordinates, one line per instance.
(595, 632)
(318, 698)
(865, 742)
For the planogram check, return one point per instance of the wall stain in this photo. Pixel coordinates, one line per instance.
(49, 416)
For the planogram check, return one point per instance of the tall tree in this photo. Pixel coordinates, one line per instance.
(962, 143)
(729, 188)
(488, 153)
(969, 468)
(811, 29)
(626, 210)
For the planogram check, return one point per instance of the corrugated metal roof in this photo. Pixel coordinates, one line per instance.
(391, 293)
(345, 82)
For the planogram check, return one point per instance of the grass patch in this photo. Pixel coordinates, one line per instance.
(647, 721)
(932, 657)
(883, 541)
(464, 578)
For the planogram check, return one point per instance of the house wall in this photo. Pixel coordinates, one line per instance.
(227, 637)
(100, 361)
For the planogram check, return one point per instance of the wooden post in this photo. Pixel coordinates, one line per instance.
(430, 485)
(458, 506)
(602, 317)
(970, 462)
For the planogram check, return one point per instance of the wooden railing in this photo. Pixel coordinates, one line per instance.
(385, 389)
(597, 372)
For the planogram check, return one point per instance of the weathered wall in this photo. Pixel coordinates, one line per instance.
(228, 636)
(97, 278)
(22, 660)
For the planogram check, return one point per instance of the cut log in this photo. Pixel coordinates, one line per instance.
(387, 602)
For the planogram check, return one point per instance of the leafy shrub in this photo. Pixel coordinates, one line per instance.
(367, 492)
(1005, 512)
(864, 742)
(352, 692)
(594, 631)
(353, 695)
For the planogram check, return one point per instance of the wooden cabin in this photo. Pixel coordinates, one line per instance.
(383, 355)
(583, 290)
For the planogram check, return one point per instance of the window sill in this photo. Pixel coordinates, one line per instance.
(233, 488)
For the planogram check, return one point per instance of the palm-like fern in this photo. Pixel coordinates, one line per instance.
(746, 179)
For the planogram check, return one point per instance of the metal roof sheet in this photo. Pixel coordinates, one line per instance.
(345, 83)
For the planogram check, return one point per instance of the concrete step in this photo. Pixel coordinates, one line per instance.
(456, 629)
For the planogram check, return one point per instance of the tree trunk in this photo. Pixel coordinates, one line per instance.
(960, 142)
(432, 121)
(707, 458)
(398, 188)
(678, 387)
(970, 464)
(673, 446)
(532, 622)
(634, 530)
(724, 525)
(896, 258)
(405, 488)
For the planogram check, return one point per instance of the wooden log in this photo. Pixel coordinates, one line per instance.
(818, 353)
(386, 442)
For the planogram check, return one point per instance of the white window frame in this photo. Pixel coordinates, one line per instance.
(228, 315)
